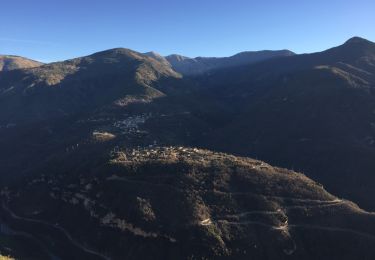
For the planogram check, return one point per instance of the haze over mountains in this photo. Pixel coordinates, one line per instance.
(121, 154)
(199, 65)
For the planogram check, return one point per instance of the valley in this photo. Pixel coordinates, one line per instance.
(120, 155)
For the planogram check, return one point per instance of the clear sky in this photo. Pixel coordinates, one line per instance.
(50, 30)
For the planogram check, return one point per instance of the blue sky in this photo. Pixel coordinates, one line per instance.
(50, 30)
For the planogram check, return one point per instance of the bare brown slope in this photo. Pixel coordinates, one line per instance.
(10, 62)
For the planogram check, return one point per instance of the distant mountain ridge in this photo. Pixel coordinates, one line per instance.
(199, 65)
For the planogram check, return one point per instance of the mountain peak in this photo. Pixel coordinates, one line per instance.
(176, 58)
(152, 54)
(157, 57)
(352, 50)
(356, 40)
(115, 52)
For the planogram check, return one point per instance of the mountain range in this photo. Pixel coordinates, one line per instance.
(128, 155)
(199, 65)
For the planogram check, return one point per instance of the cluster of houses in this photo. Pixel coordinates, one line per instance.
(179, 153)
(170, 153)
(131, 124)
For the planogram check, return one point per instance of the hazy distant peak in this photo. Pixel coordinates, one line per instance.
(152, 54)
(199, 65)
(283, 52)
(176, 57)
(157, 57)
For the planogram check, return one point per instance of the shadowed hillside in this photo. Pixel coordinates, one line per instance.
(312, 112)
(176, 202)
(77, 85)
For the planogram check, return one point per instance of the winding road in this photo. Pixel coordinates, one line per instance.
(89, 252)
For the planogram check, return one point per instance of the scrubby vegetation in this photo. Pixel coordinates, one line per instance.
(181, 202)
